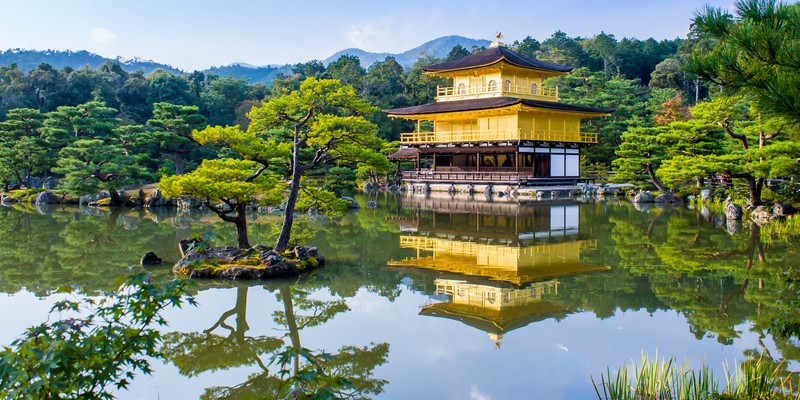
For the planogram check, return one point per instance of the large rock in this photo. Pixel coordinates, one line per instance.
(353, 204)
(154, 199)
(50, 183)
(45, 198)
(187, 203)
(90, 198)
(150, 258)
(668, 198)
(197, 256)
(7, 200)
(761, 215)
(188, 244)
(782, 210)
(276, 265)
(733, 226)
(733, 211)
(607, 190)
(643, 197)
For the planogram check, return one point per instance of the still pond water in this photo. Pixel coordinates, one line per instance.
(430, 298)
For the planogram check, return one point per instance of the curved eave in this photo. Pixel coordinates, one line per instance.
(449, 73)
(499, 104)
(494, 55)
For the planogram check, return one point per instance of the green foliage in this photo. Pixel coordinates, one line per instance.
(322, 200)
(754, 53)
(92, 346)
(340, 178)
(640, 154)
(173, 126)
(220, 180)
(329, 376)
(23, 150)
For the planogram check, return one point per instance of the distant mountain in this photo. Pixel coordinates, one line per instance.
(438, 48)
(27, 60)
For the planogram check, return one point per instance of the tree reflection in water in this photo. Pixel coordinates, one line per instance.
(285, 368)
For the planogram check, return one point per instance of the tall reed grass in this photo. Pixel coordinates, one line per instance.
(784, 229)
(655, 379)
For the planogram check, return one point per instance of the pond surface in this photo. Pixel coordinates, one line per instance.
(431, 297)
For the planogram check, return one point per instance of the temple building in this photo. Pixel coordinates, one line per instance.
(496, 125)
(492, 270)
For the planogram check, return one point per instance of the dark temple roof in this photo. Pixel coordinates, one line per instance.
(490, 103)
(493, 55)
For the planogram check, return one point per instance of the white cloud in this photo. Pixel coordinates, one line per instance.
(475, 394)
(102, 35)
(365, 35)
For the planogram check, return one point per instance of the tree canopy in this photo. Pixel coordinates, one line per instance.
(754, 52)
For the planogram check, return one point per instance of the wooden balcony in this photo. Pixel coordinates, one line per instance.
(497, 135)
(475, 92)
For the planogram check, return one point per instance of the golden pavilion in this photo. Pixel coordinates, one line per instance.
(496, 125)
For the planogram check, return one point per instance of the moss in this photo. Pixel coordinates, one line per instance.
(309, 263)
(216, 267)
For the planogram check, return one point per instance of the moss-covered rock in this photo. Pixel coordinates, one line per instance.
(258, 262)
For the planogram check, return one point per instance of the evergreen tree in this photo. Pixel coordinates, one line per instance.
(754, 53)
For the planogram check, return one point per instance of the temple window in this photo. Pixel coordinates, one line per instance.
(507, 85)
(534, 88)
(492, 86)
(462, 88)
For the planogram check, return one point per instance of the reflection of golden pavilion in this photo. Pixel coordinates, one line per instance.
(477, 256)
(517, 265)
(495, 310)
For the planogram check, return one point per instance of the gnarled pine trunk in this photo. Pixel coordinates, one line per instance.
(294, 189)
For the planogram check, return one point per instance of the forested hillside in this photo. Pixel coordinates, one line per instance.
(27, 60)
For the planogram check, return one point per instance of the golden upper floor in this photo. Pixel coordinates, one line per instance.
(497, 95)
(494, 72)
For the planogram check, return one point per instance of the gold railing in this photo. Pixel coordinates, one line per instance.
(472, 136)
(456, 93)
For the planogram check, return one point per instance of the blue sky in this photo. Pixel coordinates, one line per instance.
(199, 34)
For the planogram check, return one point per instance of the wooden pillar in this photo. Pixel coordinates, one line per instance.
(516, 160)
(478, 161)
(433, 166)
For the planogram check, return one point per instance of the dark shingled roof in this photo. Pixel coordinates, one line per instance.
(494, 55)
(404, 153)
(490, 103)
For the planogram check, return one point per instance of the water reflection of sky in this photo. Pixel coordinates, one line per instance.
(442, 359)
(431, 357)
